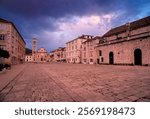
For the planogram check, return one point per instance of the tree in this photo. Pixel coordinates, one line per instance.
(4, 53)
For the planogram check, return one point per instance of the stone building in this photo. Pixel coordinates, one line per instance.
(74, 49)
(88, 49)
(12, 41)
(28, 58)
(51, 56)
(58, 55)
(128, 44)
(39, 55)
(28, 55)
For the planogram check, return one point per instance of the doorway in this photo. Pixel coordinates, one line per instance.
(111, 58)
(98, 61)
(137, 57)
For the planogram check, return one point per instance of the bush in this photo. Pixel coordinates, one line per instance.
(7, 66)
(1, 67)
(4, 53)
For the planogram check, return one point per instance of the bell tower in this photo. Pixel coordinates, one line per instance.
(34, 45)
(34, 48)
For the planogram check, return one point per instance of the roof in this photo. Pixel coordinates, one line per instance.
(80, 37)
(133, 25)
(93, 39)
(97, 37)
(3, 20)
(59, 49)
(43, 50)
(72, 40)
(6, 21)
(89, 40)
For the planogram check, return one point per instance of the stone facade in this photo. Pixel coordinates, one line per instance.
(40, 55)
(51, 56)
(74, 49)
(29, 58)
(12, 41)
(88, 50)
(128, 44)
(58, 55)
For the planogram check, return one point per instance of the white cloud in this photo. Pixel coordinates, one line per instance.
(93, 25)
(74, 27)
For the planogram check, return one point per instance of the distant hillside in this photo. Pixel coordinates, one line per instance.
(28, 51)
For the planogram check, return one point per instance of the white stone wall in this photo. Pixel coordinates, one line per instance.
(73, 51)
(28, 58)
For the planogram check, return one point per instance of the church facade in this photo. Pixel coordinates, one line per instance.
(37, 56)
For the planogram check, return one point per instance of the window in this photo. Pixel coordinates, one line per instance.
(91, 60)
(102, 59)
(2, 37)
(34, 42)
(100, 53)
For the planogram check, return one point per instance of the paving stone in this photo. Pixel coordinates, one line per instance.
(50, 82)
(133, 98)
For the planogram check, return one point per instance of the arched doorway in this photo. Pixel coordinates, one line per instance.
(111, 58)
(137, 57)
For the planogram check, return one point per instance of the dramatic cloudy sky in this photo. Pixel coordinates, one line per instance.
(54, 22)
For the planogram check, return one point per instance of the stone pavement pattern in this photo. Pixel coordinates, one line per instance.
(77, 82)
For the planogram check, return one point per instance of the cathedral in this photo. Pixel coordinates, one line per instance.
(37, 56)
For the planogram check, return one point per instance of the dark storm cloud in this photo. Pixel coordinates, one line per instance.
(32, 17)
(55, 9)
(33, 9)
(59, 8)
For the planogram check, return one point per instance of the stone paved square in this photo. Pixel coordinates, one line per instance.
(63, 82)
